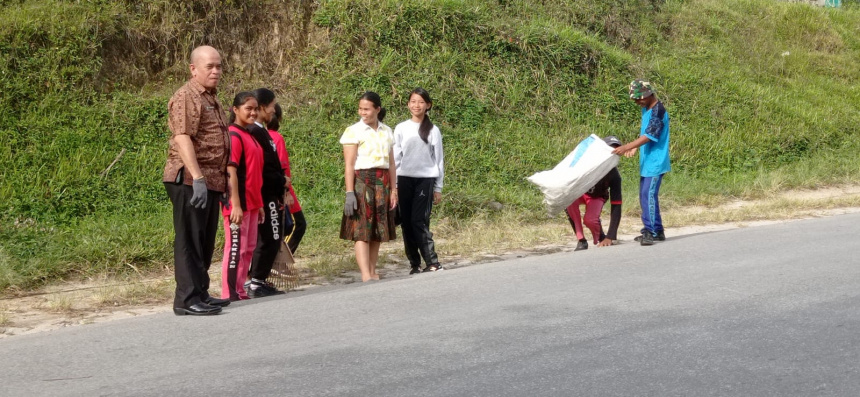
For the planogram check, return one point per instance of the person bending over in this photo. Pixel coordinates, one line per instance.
(608, 188)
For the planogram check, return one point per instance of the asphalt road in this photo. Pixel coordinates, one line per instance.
(762, 311)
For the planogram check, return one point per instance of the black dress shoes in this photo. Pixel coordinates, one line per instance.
(197, 309)
(217, 302)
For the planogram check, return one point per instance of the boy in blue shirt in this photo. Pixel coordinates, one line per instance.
(653, 159)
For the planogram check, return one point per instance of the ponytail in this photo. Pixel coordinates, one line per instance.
(426, 125)
(424, 128)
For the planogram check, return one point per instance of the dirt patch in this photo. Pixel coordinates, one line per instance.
(72, 304)
(32, 314)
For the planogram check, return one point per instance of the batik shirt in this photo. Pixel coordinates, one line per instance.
(195, 111)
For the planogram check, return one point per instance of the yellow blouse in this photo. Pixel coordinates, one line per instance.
(373, 145)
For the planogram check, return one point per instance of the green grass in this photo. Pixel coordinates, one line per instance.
(762, 94)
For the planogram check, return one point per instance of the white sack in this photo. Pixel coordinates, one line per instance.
(572, 177)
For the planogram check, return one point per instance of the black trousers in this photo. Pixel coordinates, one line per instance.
(416, 202)
(270, 235)
(297, 231)
(193, 244)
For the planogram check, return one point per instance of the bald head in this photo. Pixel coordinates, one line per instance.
(203, 51)
(206, 66)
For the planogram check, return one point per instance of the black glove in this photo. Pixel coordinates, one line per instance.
(351, 205)
(198, 199)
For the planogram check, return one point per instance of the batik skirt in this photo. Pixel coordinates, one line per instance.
(374, 219)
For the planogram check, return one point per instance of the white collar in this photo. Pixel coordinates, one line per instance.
(379, 125)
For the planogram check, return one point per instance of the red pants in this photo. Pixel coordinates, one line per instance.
(593, 206)
(237, 257)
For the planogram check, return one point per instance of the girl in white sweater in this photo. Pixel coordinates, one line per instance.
(420, 173)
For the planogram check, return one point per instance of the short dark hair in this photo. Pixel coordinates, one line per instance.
(264, 96)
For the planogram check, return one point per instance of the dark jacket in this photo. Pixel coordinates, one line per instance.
(273, 174)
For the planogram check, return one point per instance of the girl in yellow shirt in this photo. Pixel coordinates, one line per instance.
(368, 212)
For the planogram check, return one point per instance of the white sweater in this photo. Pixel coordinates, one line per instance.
(414, 157)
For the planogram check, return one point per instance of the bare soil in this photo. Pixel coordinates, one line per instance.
(94, 301)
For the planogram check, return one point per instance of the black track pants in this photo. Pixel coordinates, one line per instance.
(416, 202)
(297, 231)
(269, 237)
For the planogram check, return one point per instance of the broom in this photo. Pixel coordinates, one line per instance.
(284, 275)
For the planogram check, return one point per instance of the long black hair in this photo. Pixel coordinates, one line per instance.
(240, 100)
(275, 124)
(374, 97)
(426, 124)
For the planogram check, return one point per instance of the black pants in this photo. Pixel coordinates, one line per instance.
(297, 231)
(193, 244)
(416, 202)
(270, 235)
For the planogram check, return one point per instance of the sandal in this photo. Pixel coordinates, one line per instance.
(433, 268)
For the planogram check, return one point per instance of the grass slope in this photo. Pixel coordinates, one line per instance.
(762, 95)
